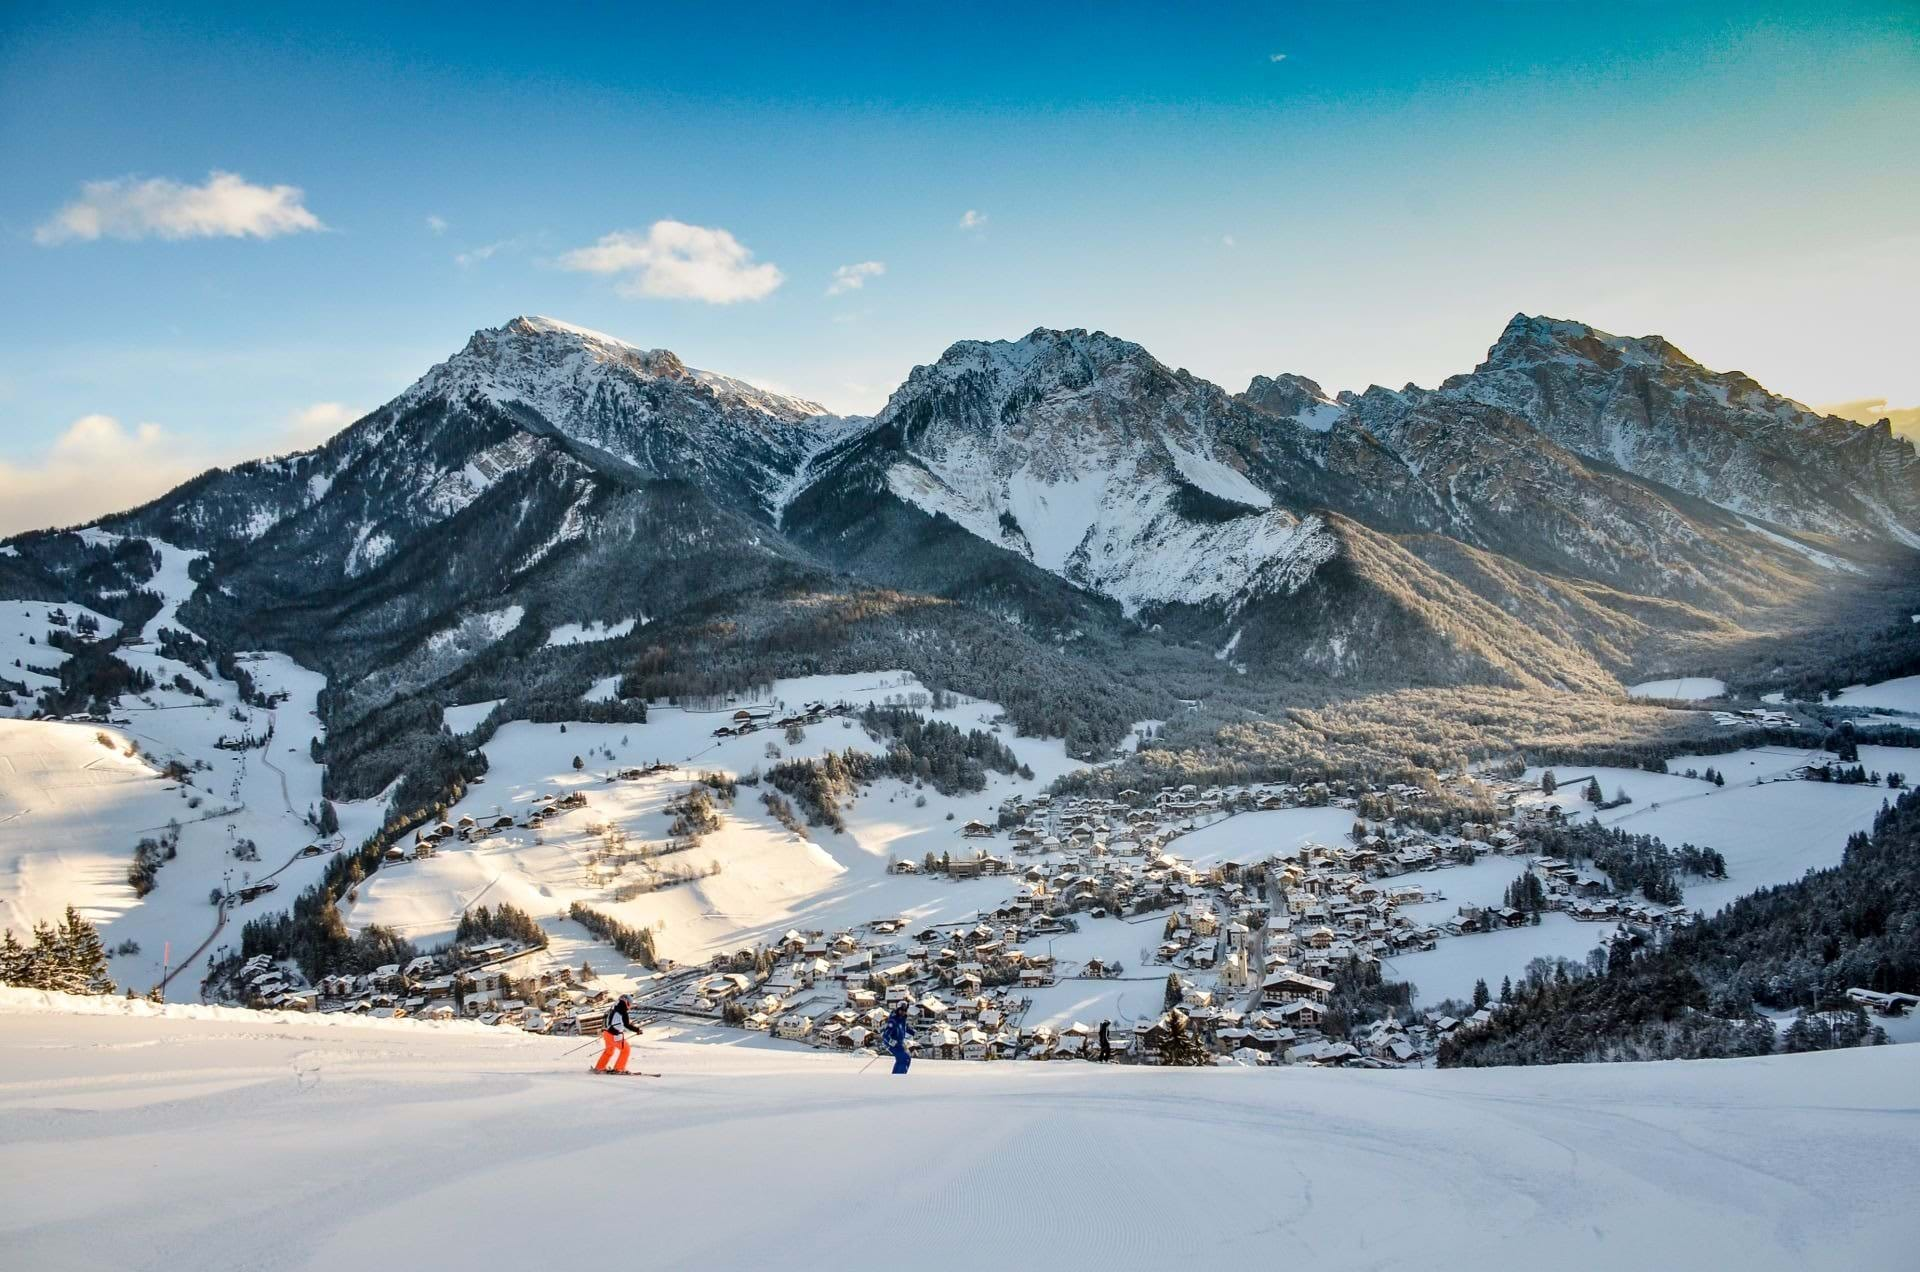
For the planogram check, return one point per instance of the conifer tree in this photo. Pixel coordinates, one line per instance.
(85, 957)
(15, 960)
(1480, 995)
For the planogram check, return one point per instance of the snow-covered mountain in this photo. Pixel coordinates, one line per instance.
(1645, 407)
(634, 406)
(1531, 524)
(1084, 455)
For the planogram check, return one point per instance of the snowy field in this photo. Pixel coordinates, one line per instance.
(1250, 836)
(769, 879)
(1450, 968)
(1770, 832)
(1889, 695)
(588, 633)
(1685, 689)
(468, 1148)
(467, 716)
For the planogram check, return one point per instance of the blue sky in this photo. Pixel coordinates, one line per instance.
(1358, 193)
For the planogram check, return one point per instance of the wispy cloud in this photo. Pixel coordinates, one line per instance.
(853, 277)
(1226, 240)
(485, 252)
(973, 220)
(676, 261)
(1276, 57)
(437, 224)
(227, 206)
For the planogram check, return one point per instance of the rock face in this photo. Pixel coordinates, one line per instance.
(1648, 409)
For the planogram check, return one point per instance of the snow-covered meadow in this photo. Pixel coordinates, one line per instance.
(1902, 694)
(1683, 689)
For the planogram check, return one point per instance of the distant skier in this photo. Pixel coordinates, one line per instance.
(1106, 1043)
(619, 1025)
(894, 1037)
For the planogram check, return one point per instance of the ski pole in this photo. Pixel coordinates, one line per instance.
(582, 1047)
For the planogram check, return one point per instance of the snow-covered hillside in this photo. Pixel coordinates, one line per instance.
(299, 1142)
(766, 879)
(76, 798)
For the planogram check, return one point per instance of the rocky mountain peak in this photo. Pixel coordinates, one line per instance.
(1529, 340)
(1293, 397)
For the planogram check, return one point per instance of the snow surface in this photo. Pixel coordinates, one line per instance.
(1902, 694)
(466, 716)
(293, 1142)
(1449, 969)
(1251, 836)
(1684, 689)
(1771, 831)
(588, 633)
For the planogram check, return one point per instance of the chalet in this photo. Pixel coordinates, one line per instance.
(1289, 986)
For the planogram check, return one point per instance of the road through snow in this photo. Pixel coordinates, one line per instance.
(254, 1141)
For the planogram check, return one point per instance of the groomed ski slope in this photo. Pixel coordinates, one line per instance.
(211, 1139)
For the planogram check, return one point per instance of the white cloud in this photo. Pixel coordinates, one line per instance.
(438, 224)
(854, 277)
(1276, 57)
(973, 220)
(1226, 240)
(227, 206)
(676, 261)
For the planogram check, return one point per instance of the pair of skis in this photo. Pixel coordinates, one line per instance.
(623, 1073)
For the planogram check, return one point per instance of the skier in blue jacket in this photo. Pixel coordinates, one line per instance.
(894, 1037)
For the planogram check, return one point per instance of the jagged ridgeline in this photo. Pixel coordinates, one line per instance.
(1061, 524)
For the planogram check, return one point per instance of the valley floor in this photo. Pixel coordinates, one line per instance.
(138, 1137)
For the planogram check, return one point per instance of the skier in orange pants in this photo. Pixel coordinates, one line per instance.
(619, 1024)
